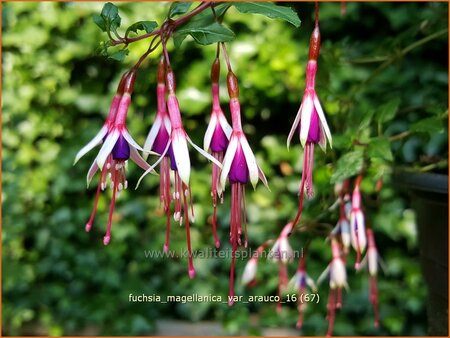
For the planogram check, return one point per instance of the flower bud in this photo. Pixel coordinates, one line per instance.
(232, 85)
(314, 44)
(215, 71)
(161, 72)
(121, 85)
(129, 82)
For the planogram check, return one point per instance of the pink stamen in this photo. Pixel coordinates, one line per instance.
(188, 233)
(374, 299)
(214, 193)
(339, 298)
(88, 226)
(331, 311)
(107, 237)
(236, 213)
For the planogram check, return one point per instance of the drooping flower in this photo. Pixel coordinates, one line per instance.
(343, 227)
(158, 140)
(117, 148)
(216, 141)
(282, 253)
(310, 122)
(249, 274)
(301, 282)
(338, 280)
(357, 223)
(180, 163)
(239, 167)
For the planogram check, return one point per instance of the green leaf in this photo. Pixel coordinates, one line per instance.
(120, 55)
(147, 26)
(380, 148)
(270, 10)
(206, 35)
(110, 14)
(388, 110)
(100, 22)
(179, 7)
(428, 125)
(348, 165)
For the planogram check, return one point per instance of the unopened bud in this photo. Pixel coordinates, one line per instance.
(314, 44)
(129, 82)
(215, 71)
(232, 85)
(122, 83)
(170, 80)
(161, 71)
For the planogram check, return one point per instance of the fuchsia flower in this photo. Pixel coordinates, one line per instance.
(216, 140)
(240, 167)
(158, 140)
(302, 281)
(338, 280)
(357, 224)
(180, 162)
(117, 148)
(282, 253)
(310, 122)
(343, 227)
(249, 274)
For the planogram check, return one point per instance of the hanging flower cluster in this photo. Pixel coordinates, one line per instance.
(233, 163)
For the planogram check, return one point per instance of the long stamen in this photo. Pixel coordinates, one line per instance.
(331, 311)
(235, 208)
(302, 187)
(374, 299)
(188, 234)
(88, 226)
(107, 237)
(165, 197)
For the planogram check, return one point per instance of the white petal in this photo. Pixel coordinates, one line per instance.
(227, 160)
(251, 161)
(263, 178)
(249, 271)
(322, 139)
(153, 166)
(323, 121)
(209, 132)
(167, 123)
(181, 155)
(311, 284)
(372, 259)
(225, 125)
(91, 172)
(294, 126)
(306, 119)
(204, 153)
(96, 140)
(130, 140)
(323, 275)
(107, 147)
(152, 135)
(134, 155)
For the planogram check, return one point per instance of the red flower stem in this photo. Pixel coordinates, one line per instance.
(167, 25)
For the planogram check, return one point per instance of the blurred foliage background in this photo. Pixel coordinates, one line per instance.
(57, 279)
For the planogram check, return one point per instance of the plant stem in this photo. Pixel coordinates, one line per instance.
(168, 24)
